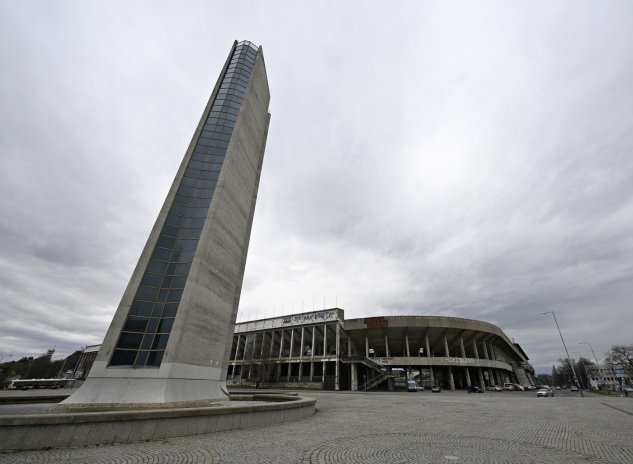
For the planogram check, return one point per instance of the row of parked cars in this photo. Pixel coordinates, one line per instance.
(541, 390)
(510, 387)
(412, 386)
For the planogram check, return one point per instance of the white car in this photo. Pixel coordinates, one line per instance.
(544, 392)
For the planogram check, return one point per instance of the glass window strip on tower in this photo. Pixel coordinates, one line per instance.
(146, 331)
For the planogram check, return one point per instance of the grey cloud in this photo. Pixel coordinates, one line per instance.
(456, 159)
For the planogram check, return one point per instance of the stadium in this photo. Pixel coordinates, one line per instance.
(322, 350)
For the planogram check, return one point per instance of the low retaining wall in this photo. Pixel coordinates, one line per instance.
(233, 385)
(64, 430)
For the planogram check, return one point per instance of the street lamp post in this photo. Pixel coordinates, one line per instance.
(29, 368)
(583, 366)
(568, 357)
(592, 352)
(595, 359)
(61, 370)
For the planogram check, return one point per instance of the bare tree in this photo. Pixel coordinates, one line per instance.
(622, 356)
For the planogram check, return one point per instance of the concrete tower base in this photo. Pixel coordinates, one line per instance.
(171, 383)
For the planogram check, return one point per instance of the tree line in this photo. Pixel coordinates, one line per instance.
(619, 357)
(41, 367)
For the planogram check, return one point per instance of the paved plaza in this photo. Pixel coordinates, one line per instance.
(401, 427)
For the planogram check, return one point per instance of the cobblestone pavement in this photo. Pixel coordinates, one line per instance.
(422, 427)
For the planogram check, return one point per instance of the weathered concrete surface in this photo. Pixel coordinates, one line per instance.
(196, 356)
(72, 429)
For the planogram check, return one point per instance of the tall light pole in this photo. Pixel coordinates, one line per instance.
(29, 368)
(593, 352)
(597, 364)
(61, 370)
(583, 366)
(568, 357)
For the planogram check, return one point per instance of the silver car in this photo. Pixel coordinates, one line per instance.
(545, 392)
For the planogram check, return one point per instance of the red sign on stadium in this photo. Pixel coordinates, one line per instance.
(376, 322)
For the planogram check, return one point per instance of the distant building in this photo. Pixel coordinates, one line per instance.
(322, 350)
(602, 377)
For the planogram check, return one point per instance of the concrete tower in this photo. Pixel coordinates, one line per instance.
(171, 335)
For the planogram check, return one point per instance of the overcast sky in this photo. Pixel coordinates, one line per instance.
(468, 159)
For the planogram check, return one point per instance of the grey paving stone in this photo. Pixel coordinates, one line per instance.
(450, 427)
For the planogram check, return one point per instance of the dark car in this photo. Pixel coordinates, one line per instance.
(436, 389)
(473, 389)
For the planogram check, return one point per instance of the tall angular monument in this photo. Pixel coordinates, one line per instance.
(171, 335)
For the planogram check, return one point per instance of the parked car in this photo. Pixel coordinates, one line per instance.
(412, 386)
(436, 389)
(529, 387)
(544, 392)
(573, 388)
(473, 389)
(494, 388)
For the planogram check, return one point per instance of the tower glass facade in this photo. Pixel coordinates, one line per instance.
(148, 325)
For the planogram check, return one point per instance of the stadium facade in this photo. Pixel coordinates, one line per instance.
(323, 350)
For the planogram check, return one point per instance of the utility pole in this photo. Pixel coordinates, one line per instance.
(592, 352)
(568, 357)
(61, 370)
(595, 359)
(583, 365)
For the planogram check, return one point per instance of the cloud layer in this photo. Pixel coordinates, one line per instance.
(452, 159)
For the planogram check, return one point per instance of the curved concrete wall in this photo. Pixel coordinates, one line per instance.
(63, 430)
(477, 329)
